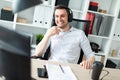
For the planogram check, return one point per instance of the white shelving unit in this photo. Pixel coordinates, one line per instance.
(24, 20)
(107, 40)
(38, 19)
(115, 44)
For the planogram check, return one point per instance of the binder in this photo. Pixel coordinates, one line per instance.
(42, 16)
(102, 29)
(90, 16)
(94, 30)
(98, 23)
(47, 20)
(38, 15)
(97, 27)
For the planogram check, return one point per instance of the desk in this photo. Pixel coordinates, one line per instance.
(80, 73)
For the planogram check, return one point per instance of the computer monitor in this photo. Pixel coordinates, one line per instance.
(14, 55)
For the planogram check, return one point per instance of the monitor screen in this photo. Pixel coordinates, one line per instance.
(14, 55)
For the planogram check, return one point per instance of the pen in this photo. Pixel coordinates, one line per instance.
(61, 68)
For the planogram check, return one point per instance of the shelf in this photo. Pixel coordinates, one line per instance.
(30, 25)
(116, 40)
(8, 0)
(100, 53)
(78, 11)
(101, 13)
(96, 36)
(7, 22)
(46, 5)
(115, 58)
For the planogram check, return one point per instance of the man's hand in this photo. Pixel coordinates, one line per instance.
(86, 64)
(52, 31)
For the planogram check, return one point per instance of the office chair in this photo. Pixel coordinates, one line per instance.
(77, 22)
(85, 24)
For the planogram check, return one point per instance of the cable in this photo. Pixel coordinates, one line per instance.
(105, 74)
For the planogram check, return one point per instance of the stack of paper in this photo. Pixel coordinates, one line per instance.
(58, 72)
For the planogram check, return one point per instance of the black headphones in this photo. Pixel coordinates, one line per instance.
(69, 11)
(70, 15)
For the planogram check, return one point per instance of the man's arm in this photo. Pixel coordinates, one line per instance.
(89, 54)
(40, 48)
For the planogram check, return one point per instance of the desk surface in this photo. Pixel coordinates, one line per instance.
(80, 73)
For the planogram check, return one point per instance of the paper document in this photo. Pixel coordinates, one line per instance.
(59, 72)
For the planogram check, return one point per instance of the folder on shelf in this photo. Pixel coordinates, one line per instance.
(42, 16)
(38, 15)
(47, 18)
(90, 16)
(103, 27)
(94, 30)
(97, 24)
(59, 72)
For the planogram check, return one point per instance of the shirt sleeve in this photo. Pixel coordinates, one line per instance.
(85, 46)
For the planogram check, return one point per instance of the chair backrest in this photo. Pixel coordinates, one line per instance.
(81, 24)
(84, 25)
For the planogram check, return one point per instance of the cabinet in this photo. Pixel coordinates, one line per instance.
(38, 19)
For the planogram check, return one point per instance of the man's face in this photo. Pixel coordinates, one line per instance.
(61, 18)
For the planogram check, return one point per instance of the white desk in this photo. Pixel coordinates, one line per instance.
(80, 73)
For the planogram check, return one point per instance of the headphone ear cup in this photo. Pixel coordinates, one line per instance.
(70, 16)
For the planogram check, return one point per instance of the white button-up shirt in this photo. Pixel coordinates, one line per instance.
(66, 46)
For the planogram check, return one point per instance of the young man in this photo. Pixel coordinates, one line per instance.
(66, 41)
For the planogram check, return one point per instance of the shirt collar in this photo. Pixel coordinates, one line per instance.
(71, 29)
